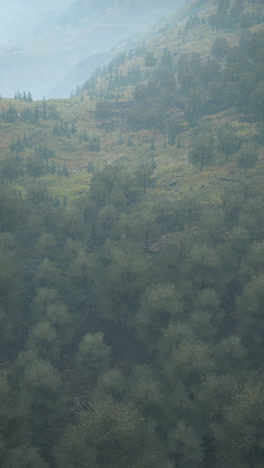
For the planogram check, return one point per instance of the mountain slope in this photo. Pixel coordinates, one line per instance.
(131, 246)
(52, 39)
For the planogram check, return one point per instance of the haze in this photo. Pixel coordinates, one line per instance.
(40, 42)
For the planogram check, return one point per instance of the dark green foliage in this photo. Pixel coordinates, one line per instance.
(131, 314)
(27, 97)
(112, 434)
(103, 110)
(257, 101)
(185, 445)
(20, 144)
(65, 129)
(132, 347)
(150, 60)
(83, 136)
(25, 457)
(151, 102)
(248, 156)
(93, 356)
(238, 83)
(35, 166)
(10, 167)
(10, 115)
(220, 47)
(238, 435)
(166, 62)
(203, 149)
(228, 142)
(174, 127)
(29, 114)
(90, 168)
(94, 144)
(159, 307)
(44, 152)
(260, 136)
(188, 71)
(218, 21)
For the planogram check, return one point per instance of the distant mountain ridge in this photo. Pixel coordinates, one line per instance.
(64, 38)
(79, 74)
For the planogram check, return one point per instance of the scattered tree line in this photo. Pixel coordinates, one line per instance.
(27, 97)
(31, 114)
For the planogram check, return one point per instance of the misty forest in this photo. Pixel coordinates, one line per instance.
(132, 254)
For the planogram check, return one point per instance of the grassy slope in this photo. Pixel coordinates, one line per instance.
(171, 161)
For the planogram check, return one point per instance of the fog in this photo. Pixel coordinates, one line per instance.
(40, 42)
(20, 19)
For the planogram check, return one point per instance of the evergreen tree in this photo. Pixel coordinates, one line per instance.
(248, 156)
(203, 150)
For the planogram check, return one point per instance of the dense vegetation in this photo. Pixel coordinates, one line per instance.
(132, 286)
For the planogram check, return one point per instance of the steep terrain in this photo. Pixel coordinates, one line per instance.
(41, 42)
(131, 243)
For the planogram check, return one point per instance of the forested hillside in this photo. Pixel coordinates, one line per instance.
(132, 256)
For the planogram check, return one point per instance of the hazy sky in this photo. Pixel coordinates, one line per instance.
(19, 19)
(40, 41)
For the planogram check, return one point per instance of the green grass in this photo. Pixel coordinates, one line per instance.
(170, 162)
